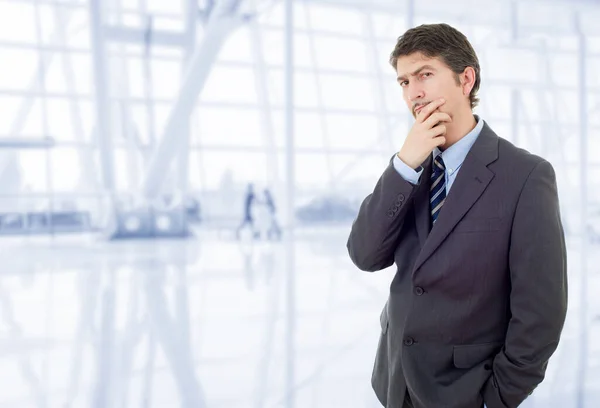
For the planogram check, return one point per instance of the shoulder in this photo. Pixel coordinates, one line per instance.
(517, 159)
(516, 167)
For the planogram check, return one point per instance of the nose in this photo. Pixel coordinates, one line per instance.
(415, 93)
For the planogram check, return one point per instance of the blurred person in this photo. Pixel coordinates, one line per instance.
(249, 210)
(261, 216)
(264, 216)
(479, 298)
(273, 227)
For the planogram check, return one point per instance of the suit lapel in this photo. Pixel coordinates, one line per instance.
(471, 181)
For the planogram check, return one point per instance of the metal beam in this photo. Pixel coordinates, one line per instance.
(290, 217)
(223, 21)
(316, 73)
(492, 20)
(265, 107)
(410, 14)
(26, 143)
(385, 126)
(89, 179)
(583, 213)
(138, 36)
(9, 159)
(127, 126)
(182, 170)
(521, 84)
(103, 129)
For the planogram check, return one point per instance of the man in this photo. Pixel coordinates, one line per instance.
(249, 206)
(479, 297)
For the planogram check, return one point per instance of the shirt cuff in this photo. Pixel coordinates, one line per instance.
(408, 173)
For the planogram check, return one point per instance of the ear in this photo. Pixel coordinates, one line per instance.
(467, 80)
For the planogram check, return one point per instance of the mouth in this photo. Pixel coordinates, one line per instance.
(419, 107)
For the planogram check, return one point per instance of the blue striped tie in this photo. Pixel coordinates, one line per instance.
(438, 188)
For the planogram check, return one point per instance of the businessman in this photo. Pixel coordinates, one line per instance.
(479, 297)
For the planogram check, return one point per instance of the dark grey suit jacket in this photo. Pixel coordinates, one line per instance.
(477, 305)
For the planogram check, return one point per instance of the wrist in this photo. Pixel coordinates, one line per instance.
(408, 163)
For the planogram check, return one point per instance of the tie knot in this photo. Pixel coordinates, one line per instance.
(439, 163)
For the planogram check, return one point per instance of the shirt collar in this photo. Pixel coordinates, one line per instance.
(455, 154)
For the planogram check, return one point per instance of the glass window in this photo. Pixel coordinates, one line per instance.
(526, 70)
(238, 45)
(69, 120)
(341, 54)
(78, 33)
(68, 73)
(388, 26)
(229, 127)
(173, 8)
(245, 167)
(18, 68)
(495, 101)
(362, 169)
(312, 170)
(347, 92)
(306, 92)
(166, 78)
(66, 168)
(230, 84)
(28, 123)
(17, 23)
(354, 131)
(273, 48)
(336, 19)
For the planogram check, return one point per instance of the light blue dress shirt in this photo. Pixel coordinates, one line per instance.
(453, 157)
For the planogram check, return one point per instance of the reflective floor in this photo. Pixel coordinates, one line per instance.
(213, 322)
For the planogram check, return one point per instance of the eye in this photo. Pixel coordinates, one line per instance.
(425, 74)
(403, 83)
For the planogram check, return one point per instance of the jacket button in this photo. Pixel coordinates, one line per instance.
(390, 213)
(409, 341)
(419, 291)
(401, 197)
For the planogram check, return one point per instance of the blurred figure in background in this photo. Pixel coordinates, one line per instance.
(265, 218)
(249, 204)
(273, 229)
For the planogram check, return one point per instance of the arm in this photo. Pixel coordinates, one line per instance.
(376, 230)
(408, 173)
(538, 299)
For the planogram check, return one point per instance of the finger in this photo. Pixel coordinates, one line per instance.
(439, 141)
(435, 118)
(437, 131)
(427, 110)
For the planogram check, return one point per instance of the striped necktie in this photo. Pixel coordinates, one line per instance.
(437, 193)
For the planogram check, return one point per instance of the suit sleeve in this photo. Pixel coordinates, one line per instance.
(376, 229)
(408, 173)
(538, 299)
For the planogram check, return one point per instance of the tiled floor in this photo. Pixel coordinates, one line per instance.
(216, 323)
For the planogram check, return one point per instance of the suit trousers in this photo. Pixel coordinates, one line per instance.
(408, 402)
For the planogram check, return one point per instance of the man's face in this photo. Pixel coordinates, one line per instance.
(425, 79)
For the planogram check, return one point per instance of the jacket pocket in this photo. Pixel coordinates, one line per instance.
(469, 355)
(478, 225)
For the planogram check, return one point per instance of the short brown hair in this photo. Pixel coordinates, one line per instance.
(444, 42)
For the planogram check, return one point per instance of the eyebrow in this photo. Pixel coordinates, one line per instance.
(402, 77)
